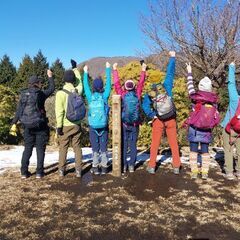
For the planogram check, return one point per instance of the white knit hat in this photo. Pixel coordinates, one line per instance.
(205, 84)
(129, 85)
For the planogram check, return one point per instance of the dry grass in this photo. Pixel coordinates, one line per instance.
(139, 206)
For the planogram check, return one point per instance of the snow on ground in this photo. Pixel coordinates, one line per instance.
(12, 158)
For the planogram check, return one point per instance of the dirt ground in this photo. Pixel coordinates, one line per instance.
(135, 206)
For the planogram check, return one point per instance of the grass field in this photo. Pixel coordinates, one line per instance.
(136, 206)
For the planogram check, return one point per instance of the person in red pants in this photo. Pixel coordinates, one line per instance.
(160, 108)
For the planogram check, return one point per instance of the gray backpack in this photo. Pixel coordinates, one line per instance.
(164, 106)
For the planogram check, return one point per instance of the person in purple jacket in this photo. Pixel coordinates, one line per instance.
(200, 136)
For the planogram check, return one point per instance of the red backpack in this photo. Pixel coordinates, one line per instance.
(234, 122)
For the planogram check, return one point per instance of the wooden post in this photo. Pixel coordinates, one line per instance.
(116, 136)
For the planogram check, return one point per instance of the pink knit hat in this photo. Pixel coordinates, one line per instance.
(129, 85)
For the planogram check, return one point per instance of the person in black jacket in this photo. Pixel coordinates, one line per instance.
(32, 115)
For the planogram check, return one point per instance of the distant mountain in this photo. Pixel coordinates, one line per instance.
(97, 65)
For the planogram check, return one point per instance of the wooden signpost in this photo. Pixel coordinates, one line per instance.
(116, 136)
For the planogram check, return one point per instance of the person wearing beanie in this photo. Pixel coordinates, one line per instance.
(98, 119)
(34, 122)
(231, 138)
(204, 98)
(130, 129)
(162, 93)
(68, 131)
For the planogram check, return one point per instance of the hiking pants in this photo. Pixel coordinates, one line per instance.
(228, 151)
(99, 141)
(171, 131)
(70, 134)
(130, 137)
(34, 137)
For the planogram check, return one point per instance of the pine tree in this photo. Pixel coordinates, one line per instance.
(25, 70)
(7, 71)
(40, 65)
(58, 72)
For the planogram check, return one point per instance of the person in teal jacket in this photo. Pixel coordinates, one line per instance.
(233, 93)
(98, 118)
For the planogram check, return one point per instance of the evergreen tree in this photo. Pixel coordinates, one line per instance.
(40, 65)
(7, 71)
(58, 72)
(25, 70)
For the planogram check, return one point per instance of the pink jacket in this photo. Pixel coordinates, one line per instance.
(122, 92)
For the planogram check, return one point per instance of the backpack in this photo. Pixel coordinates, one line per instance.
(31, 116)
(234, 122)
(164, 106)
(204, 116)
(98, 112)
(130, 108)
(76, 109)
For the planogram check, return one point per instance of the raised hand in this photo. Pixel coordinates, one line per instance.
(144, 67)
(73, 63)
(232, 63)
(172, 53)
(108, 65)
(49, 73)
(189, 67)
(85, 68)
(115, 66)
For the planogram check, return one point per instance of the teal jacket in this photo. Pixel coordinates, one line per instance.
(233, 96)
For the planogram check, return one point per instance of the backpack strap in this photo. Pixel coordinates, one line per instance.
(66, 91)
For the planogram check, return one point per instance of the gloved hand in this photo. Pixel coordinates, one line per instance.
(85, 68)
(13, 130)
(60, 131)
(115, 66)
(74, 64)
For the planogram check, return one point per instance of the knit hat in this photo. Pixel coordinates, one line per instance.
(129, 85)
(98, 85)
(33, 79)
(205, 84)
(69, 76)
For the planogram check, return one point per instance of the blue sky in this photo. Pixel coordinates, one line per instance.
(70, 28)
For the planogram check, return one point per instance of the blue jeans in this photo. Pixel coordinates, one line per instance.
(99, 141)
(130, 137)
(203, 147)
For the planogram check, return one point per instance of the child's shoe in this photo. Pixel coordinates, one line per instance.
(204, 175)
(229, 176)
(124, 168)
(104, 170)
(194, 174)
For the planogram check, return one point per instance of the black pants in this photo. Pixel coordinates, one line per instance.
(35, 137)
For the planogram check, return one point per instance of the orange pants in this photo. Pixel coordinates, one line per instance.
(157, 131)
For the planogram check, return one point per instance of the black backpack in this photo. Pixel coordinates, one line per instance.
(31, 116)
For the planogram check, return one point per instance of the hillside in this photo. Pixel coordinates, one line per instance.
(97, 65)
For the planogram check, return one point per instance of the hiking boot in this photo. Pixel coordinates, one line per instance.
(194, 175)
(131, 168)
(229, 176)
(176, 171)
(95, 171)
(39, 175)
(61, 173)
(204, 175)
(78, 173)
(26, 175)
(151, 170)
(104, 170)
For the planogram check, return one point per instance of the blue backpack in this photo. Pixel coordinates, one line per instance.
(76, 109)
(98, 112)
(130, 108)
